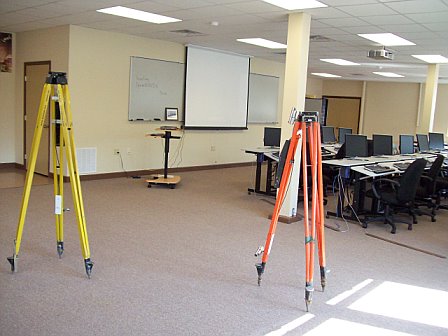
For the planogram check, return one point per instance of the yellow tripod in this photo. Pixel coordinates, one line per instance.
(56, 88)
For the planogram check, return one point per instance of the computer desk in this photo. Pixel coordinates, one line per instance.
(261, 153)
(355, 168)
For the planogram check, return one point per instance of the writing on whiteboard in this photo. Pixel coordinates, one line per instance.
(144, 82)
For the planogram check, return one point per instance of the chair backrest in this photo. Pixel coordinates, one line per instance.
(436, 166)
(410, 180)
(433, 172)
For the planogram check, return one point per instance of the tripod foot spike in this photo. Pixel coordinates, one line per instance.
(309, 289)
(89, 265)
(13, 261)
(323, 278)
(60, 248)
(260, 271)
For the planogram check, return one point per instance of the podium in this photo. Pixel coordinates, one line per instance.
(164, 179)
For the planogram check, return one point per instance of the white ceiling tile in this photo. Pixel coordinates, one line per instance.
(418, 6)
(343, 22)
(403, 28)
(326, 13)
(429, 17)
(387, 19)
(347, 2)
(363, 30)
(437, 27)
(368, 10)
(255, 7)
(15, 18)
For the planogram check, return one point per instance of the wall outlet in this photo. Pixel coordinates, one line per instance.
(213, 148)
(116, 151)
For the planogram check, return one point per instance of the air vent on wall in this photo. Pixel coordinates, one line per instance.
(280, 52)
(187, 32)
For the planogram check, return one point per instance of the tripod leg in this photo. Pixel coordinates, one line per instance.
(43, 106)
(309, 227)
(58, 177)
(321, 219)
(68, 142)
(283, 188)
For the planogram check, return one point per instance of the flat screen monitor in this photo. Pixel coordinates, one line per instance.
(422, 141)
(382, 144)
(328, 134)
(342, 132)
(355, 145)
(406, 144)
(272, 136)
(436, 141)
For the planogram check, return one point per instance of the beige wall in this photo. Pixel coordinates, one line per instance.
(99, 86)
(441, 111)
(391, 108)
(344, 88)
(7, 119)
(98, 62)
(39, 45)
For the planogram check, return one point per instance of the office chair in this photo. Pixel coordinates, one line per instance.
(399, 196)
(441, 190)
(426, 190)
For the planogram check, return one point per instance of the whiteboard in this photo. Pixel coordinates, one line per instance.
(155, 85)
(216, 89)
(263, 99)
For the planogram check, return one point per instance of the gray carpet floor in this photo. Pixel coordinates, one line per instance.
(181, 262)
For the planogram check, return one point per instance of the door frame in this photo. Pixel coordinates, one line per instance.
(25, 159)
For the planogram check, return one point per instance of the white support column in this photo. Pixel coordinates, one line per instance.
(294, 96)
(429, 100)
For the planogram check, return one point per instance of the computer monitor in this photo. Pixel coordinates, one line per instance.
(436, 141)
(382, 144)
(406, 144)
(355, 145)
(328, 134)
(272, 136)
(342, 132)
(422, 142)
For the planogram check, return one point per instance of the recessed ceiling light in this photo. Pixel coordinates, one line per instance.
(432, 58)
(338, 61)
(387, 39)
(388, 74)
(263, 43)
(294, 4)
(323, 74)
(137, 14)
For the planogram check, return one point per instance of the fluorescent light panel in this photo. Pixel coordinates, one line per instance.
(388, 74)
(338, 61)
(387, 39)
(432, 58)
(137, 14)
(294, 4)
(323, 74)
(263, 43)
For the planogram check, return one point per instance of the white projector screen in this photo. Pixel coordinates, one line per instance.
(216, 89)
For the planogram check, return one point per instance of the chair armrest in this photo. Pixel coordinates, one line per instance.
(375, 186)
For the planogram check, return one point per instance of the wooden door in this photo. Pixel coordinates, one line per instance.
(35, 75)
(343, 112)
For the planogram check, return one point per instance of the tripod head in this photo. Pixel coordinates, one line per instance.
(56, 78)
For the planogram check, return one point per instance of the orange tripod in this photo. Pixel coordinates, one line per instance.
(305, 125)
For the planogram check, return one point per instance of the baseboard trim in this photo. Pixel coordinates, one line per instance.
(133, 173)
(10, 165)
(160, 171)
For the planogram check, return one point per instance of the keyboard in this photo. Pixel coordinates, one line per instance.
(401, 165)
(325, 152)
(378, 169)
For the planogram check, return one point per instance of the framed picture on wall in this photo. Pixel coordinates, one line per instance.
(171, 113)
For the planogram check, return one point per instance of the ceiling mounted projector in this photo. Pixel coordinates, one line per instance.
(381, 54)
